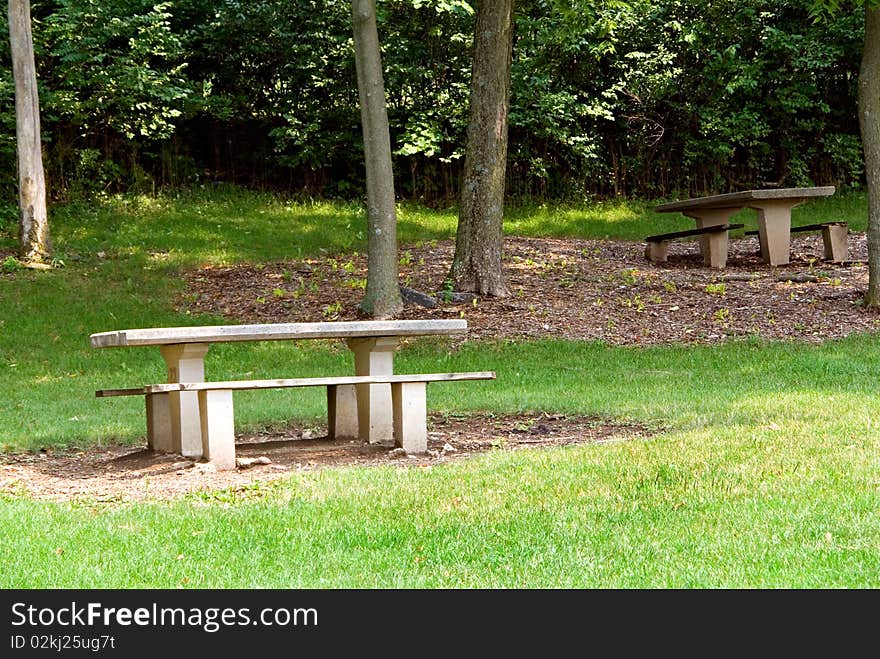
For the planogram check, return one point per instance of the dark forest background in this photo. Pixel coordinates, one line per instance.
(635, 99)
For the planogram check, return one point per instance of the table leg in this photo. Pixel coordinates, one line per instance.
(186, 363)
(834, 242)
(774, 229)
(713, 246)
(374, 356)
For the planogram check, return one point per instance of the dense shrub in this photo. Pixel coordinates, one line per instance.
(648, 99)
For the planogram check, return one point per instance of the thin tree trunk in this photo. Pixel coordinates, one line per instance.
(34, 223)
(477, 265)
(382, 297)
(869, 121)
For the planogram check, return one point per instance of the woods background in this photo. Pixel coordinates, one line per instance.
(638, 99)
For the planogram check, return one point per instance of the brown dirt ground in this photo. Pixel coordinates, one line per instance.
(560, 288)
(575, 289)
(135, 474)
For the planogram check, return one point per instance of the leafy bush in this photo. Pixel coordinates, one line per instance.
(646, 98)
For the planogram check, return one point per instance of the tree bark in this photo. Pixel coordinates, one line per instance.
(869, 122)
(34, 222)
(382, 297)
(476, 265)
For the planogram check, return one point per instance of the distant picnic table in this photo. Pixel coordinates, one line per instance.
(713, 214)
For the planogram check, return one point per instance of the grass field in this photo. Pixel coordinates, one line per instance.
(765, 471)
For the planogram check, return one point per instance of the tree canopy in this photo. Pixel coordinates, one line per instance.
(649, 99)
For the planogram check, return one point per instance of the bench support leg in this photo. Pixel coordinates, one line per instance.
(342, 412)
(834, 241)
(218, 427)
(374, 357)
(410, 416)
(186, 363)
(159, 434)
(774, 230)
(657, 252)
(713, 246)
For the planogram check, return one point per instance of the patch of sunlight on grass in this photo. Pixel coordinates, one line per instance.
(611, 212)
(627, 219)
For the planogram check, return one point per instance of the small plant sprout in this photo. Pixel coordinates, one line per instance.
(11, 264)
(629, 276)
(446, 290)
(332, 311)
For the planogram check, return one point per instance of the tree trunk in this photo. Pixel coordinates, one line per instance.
(382, 297)
(477, 266)
(869, 121)
(34, 222)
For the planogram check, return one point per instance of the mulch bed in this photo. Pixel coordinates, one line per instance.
(574, 289)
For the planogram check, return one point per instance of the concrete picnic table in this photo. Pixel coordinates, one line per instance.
(774, 219)
(361, 411)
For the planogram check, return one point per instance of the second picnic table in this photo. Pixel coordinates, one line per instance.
(774, 219)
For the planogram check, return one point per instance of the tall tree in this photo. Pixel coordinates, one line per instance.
(476, 265)
(382, 297)
(869, 122)
(869, 125)
(34, 221)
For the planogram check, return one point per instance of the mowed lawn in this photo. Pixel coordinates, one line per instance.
(763, 470)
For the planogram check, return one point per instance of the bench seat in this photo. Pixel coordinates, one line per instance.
(834, 238)
(657, 250)
(408, 400)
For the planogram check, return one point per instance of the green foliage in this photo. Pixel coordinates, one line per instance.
(7, 133)
(823, 10)
(729, 95)
(116, 66)
(642, 99)
(9, 218)
(10, 264)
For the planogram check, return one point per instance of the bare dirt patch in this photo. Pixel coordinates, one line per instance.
(574, 289)
(135, 474)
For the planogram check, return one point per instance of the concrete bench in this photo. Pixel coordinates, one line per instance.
(834, 238)
(657, 249)
(408, 408)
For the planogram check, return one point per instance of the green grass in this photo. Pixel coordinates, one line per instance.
(763, 471)
(720, 506)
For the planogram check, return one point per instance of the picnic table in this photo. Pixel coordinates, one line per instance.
(774, 219)
(191, 416)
